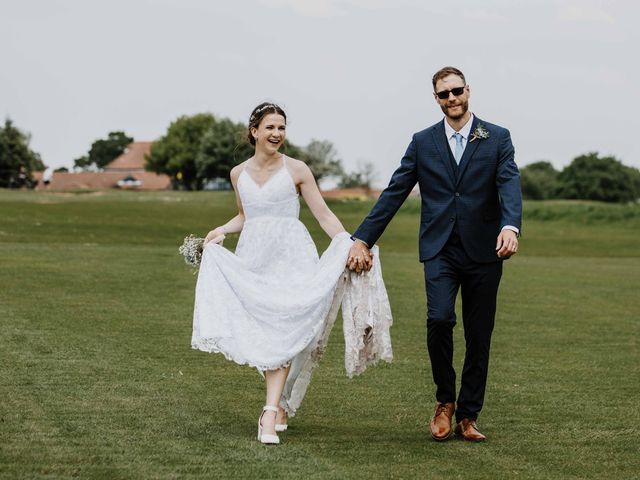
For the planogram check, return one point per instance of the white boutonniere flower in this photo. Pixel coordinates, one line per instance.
(479, 133)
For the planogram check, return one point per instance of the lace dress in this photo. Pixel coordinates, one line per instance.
(273, 302)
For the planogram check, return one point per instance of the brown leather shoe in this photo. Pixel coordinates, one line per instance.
(468, 430)
(440, 424)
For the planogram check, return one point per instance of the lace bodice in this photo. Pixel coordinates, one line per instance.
(277, 197)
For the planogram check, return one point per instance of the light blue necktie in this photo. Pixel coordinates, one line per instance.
(458, 153)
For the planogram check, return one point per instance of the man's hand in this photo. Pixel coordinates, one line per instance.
(360, 258)
(507, 243)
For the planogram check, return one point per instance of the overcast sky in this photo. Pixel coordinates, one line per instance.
(562, 75)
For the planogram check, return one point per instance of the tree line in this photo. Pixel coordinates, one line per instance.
(199, 148)
(587, 177)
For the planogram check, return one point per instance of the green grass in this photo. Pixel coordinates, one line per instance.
(98, 379)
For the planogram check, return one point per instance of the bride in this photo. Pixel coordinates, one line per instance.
(271, 304)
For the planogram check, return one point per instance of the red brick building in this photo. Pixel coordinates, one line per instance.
(125, 172)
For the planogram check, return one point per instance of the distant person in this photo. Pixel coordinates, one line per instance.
(470, 222)
(271, 305)
(46, 177)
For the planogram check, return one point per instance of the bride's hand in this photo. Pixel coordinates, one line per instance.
(217, 235)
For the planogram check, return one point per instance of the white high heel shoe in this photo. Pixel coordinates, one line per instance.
(281, 427)
(266, 437)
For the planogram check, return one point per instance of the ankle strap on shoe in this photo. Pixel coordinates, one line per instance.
(270, 408)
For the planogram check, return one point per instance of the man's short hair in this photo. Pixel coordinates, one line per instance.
(445, 72)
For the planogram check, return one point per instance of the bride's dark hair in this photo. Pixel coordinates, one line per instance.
(259, 113)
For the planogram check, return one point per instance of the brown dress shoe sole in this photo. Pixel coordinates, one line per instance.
(442, 439)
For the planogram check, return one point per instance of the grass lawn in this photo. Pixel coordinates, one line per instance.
(98, 380)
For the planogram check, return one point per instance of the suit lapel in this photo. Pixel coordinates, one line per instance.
(440, 140)
(469, 150)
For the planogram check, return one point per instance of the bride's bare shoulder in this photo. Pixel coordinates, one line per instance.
(299, 170)
(298, 166)
(237, 170)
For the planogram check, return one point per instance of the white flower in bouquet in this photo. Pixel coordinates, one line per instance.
(191, 250)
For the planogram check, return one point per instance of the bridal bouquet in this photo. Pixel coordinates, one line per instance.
(191, 250)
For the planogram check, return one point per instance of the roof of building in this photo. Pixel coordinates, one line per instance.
(133, 158)
(104, 180)
(130, 164)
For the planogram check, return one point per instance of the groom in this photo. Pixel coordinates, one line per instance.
(470, 221)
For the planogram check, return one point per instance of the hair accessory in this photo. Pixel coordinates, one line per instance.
(264, 107)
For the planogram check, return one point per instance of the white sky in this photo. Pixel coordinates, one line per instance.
(560, 74)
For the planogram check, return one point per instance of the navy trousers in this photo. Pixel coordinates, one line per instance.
(449, 271)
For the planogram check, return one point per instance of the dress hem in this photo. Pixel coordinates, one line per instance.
(212, 349)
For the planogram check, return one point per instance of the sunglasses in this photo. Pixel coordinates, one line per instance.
(443, 95)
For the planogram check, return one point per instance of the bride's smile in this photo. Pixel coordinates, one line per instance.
(269, 135)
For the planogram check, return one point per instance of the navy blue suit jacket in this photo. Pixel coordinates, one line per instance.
(483, 197)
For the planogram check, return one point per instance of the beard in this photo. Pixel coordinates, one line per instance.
(465, 109)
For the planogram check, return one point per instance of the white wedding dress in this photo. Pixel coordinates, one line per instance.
(273, 303)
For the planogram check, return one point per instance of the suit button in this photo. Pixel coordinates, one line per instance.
(457, 194)
(451, 219)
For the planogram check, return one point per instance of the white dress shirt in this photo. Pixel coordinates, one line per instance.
(464, 131)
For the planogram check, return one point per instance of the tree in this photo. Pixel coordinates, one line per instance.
(591, 177)
(634, 177)
(222, 146)
(202, 147)
(322, 158)
(176, 152)
(362, 177)
(539, 181)
(82, 163)
(104, 151)
(17, 160)
(294, 151)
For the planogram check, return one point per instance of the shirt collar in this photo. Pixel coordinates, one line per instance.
(464, 131)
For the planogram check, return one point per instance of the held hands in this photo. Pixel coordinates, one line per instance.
(216, 236)
(360, 258)
(507, 243)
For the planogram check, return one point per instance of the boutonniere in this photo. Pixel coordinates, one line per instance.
(479, 133)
